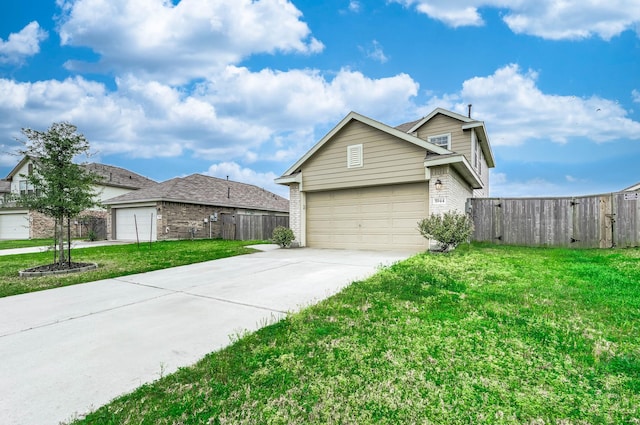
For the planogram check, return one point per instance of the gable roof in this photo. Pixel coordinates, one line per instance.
(469, 123)
(354, 116)
(110, 175)
(119, 177)
(205, 190)
(632, 188)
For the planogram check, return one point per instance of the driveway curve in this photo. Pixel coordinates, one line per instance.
(66, 351)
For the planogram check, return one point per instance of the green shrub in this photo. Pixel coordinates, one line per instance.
(283, 236)
(449, 229)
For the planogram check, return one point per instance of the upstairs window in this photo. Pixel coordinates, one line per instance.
(442, 140)
(25, 187)
(354, 156)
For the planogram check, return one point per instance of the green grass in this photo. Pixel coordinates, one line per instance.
(24, 243)
(485, 334)
(113, 261)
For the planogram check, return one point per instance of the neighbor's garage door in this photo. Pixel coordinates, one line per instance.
(14, 226)
(377, 218)
(142, 218)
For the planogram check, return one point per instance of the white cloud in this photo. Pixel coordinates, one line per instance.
(355, 6)
(176, 43)
(376, 52)
(238, 115)
(550, 19)
(635, 95)
(517, 111)
(22, 44)
(295, 99)
(235, 172)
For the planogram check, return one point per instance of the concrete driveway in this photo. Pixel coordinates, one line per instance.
(66, 351)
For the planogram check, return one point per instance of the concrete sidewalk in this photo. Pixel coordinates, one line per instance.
(66, 351)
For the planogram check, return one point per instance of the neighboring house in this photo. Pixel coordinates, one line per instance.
(195, 206)
(632, 188)
(365, 185)
(20, 223)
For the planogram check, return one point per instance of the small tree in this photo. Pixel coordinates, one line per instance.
(283, 236)
(62, 188)
(449, 229)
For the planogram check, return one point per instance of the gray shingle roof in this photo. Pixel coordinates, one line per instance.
(119, 177)
(206, 190)
(407, 126)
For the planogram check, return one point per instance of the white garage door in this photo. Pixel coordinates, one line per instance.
(377, 218)
(14, 226)
(142, 219)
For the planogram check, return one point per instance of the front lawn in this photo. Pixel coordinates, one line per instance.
(24, 243)
(113, 261)
(485, 334)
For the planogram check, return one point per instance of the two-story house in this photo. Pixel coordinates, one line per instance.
(20, 223)
(365, 185)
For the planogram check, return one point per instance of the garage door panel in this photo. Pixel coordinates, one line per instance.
(14, 226)
(377, 218)
(142, 219)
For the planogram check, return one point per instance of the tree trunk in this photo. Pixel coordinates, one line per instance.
(69, 240)
(55, 242)
(60, 242)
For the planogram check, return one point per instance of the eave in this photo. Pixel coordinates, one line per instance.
(430, 147)
(187, 201)
(460, 164)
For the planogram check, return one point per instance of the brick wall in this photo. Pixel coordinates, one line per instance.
(42, 226)
(295, 211)
(178, 219)
(453, 194)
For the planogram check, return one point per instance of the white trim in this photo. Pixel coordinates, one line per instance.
(303, 218)
(464, 168)
(134, 205)
(372, 123)
(286, 180)
(443, 112)
(355, 156)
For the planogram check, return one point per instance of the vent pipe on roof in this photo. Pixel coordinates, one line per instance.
(469, 106)
(227, 178)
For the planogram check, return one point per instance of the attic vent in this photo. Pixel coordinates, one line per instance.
(354, 156)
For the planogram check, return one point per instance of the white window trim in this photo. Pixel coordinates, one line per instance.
(437, 136)
(354, 156)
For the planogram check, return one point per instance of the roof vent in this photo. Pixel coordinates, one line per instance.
(469, 106)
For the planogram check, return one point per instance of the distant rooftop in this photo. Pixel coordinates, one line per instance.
(206, 190)
(120, 177)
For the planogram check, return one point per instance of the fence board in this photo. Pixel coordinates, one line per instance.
(258, 227)
(626, 228)
(599, 221)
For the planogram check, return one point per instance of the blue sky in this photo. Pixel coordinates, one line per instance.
(243, 88)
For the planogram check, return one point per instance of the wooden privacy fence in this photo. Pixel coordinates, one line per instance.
(598, 221)
(251, 227)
